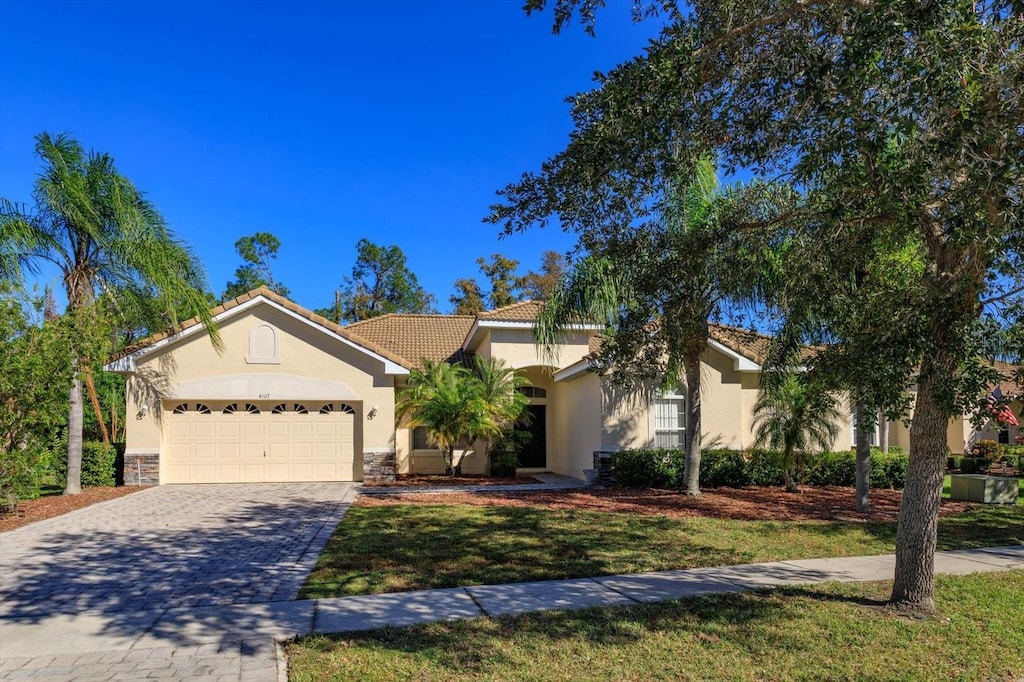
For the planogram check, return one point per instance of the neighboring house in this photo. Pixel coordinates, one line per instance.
(294, 397)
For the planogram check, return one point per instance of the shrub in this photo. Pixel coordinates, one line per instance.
(505, 451)
(1014, 455)
(831, 468)
(21, 474)
(764, 467)
(721, 467)
(988, 449)
(888, 470)
(974, 465)
(504, 463)
(97, 465)
(648, 468)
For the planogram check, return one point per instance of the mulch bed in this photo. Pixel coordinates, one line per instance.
(30, 511)
(745, 504)
(417, 480)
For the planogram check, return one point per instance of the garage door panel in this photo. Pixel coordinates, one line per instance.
(229, 444)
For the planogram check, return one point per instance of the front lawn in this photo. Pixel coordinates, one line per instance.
(824, 632)
(391, 547)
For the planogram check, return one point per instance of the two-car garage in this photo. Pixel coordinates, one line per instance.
(258, 441)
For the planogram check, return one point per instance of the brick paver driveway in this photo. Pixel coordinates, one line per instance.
(170, 546)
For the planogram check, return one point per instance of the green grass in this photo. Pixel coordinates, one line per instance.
(1020, 489)
(825, 632)
(423, 546)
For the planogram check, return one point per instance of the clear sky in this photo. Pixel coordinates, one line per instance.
(322, 122)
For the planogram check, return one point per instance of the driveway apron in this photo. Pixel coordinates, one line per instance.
(118, 565)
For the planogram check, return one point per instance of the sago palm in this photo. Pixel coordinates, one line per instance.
(793, 416)
(106, 239)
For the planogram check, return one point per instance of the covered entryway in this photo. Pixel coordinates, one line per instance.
(534, 454)
(257, 442)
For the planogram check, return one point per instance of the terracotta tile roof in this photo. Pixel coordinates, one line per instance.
(418, 337)
(285, 303)
(524, 311)
(1008, 385)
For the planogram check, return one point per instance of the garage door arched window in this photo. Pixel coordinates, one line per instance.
(297, 408)
(337, 407)
(248, 408)
(196, 407)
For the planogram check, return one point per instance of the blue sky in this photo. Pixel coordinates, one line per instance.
(322, 122)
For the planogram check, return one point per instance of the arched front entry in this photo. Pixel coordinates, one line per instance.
(534, 453)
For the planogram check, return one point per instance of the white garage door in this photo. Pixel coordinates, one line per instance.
(253, 442)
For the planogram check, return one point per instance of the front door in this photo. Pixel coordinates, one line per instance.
(535, 454)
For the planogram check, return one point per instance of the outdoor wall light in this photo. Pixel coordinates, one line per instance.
(143, 411)
(372, 413)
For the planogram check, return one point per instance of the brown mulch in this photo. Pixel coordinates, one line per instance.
(417, 480)
(30, 511)
(745, 504)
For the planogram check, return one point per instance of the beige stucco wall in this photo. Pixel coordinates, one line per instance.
(517, 348)
(575, 415)
(304, 352)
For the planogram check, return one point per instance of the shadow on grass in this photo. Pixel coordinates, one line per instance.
(411, 547)
(755, 621)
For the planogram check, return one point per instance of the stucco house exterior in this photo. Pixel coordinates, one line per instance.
(291, 396)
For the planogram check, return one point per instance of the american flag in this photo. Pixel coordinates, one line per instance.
(1003, 414)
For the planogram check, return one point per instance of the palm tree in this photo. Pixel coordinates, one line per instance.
(459, 407)
(106, 238)
(792, 416)
(656, 291)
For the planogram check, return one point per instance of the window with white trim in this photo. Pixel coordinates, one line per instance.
(670, 419)
(420, 439)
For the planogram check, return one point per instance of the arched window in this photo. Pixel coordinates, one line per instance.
(300, 409)
(279, 409)
(203, 409)
(670, 419)
(180, 409)
(340, 407)
(533, 392)
(263, 345)
(234, 407)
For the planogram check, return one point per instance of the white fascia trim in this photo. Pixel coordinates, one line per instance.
(572, 371)
(504, 324)
(740, 363)
(127, 363)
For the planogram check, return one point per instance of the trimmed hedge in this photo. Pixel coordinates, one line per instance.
(733, 468)
(98, 462)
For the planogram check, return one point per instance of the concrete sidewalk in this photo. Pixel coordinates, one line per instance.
(238, 640)
(547, 481)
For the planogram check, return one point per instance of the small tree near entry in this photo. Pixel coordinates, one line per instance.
(460, 407)
(790, 415)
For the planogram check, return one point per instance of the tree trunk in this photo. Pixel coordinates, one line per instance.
(691, 473)
(787, 472)
(883, 432)
(95, 400)
(790, 479)
(863, 458)
(916, 534)
(74, 482)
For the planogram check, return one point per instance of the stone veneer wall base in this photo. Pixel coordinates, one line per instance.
(603, 464)
(379, 467)
(141, 468)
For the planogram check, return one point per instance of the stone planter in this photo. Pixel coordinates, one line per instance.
(984, 489)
